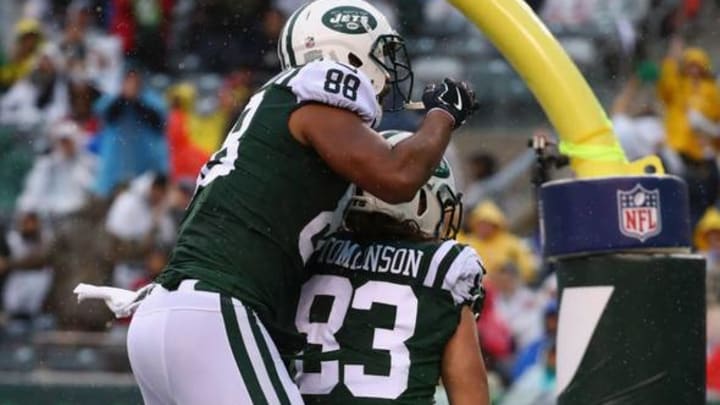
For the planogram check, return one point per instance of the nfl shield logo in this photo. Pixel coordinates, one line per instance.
(639, 213)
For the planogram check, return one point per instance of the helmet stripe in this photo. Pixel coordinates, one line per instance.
(281, 49)
(288, 35)
(447, 263)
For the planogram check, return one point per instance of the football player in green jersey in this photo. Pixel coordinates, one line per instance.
(387, 310)
(214, 328)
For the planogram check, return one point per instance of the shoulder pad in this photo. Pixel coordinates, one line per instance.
(337, 85)
(455, 268)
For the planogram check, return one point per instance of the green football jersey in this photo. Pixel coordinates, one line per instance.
(264, 199)
(378, 316)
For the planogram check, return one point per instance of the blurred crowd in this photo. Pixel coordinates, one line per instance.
(95, 93)
(108, 108)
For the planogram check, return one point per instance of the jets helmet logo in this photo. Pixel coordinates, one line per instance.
(349, 20)
(443, 169)
(639, 213)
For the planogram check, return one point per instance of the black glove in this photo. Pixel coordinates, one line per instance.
(455, 98)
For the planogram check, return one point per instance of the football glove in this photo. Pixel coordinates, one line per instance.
(457, 99)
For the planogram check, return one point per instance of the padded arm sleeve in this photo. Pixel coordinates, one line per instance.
(464, 277)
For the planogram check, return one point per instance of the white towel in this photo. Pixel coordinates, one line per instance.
(122, 303)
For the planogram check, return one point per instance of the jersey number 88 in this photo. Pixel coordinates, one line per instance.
(337, 81)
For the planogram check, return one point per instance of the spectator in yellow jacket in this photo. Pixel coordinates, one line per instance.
(691, 97)
(707, 232)
(489, 235)
(209, 127)
(28, 38)
(688, 90)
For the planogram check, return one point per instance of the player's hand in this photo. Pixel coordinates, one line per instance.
(457, 99)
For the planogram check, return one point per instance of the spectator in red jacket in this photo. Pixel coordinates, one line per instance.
(495, 337)
(186, 158)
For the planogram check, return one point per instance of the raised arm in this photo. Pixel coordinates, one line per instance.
(361, 155)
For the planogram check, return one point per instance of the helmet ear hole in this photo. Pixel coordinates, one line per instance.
(422, 204)
(354, 60)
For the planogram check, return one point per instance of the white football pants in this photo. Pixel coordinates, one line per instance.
(190, 347)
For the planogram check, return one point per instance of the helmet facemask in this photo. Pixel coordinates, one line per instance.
(390, 54)
(451, 213)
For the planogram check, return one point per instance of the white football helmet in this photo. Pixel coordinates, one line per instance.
(352, 32)
(436, 207)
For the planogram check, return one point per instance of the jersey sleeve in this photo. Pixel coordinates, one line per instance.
(337, 85)
(464, 276)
